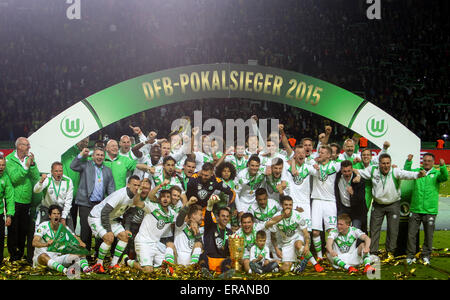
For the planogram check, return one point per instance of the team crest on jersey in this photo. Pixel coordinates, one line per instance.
(344, 248)
(323, 178)
(203, 194)
(219, 242)
(290, 232)
(210, 188)
(160, 224)
(298, 180)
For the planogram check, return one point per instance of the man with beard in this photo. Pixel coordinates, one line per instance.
(104, 222)
(204, 184)
(276, 182)
(247, 182)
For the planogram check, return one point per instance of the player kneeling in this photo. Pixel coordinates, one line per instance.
(342, 250)
(158, 219)
(44, 237)
(188, 240)
(260, 261)
(295, 238)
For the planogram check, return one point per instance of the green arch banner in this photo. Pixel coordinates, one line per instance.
(221, 81)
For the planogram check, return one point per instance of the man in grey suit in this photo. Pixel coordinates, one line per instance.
(96, 182)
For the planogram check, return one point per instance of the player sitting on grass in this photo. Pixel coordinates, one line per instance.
(342, 250)
(43, 238)
(260, 261)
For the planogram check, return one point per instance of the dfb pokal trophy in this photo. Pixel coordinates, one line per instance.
(236, 246)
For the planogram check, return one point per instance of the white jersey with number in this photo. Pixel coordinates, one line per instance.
(156, 222)
(323, 181)
(119, 201)
(290, 229)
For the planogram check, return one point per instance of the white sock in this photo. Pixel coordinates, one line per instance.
(120, 247)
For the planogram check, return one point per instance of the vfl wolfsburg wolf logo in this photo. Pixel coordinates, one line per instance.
(376, 128)
(71, 127)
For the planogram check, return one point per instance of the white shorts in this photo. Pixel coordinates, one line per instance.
(98, 231)
(288, 251)
(325, 211)
(184, 258)
(150, 254)
(350, 258)
(64, 259)
(306, 214)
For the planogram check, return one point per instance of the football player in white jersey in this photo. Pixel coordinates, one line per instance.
(188, 240)
(158, 219)
(44, 237)
(294, 235)
(299, 180)
(342, 250)
(104, 222)
(276, 182)
(323, 195)
(247, 182)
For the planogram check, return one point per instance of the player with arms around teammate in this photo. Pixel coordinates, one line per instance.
(105, 222)
(295, 238)
(158, 219)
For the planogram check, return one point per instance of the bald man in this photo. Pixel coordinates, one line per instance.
(120, 165)
(23, 173)
(125, 147)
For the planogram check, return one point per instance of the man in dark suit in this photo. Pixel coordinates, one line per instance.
(96, 182)
(350, 196)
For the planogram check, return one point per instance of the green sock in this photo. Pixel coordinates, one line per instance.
(120, 247)
(56, 266)
(338, 262)
(195, 255)
(169, 255)
(318, 246)
(102, 251)
(84, 264)
(366, 259)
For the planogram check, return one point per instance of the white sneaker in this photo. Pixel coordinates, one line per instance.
(426, 261)
(410, 261)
